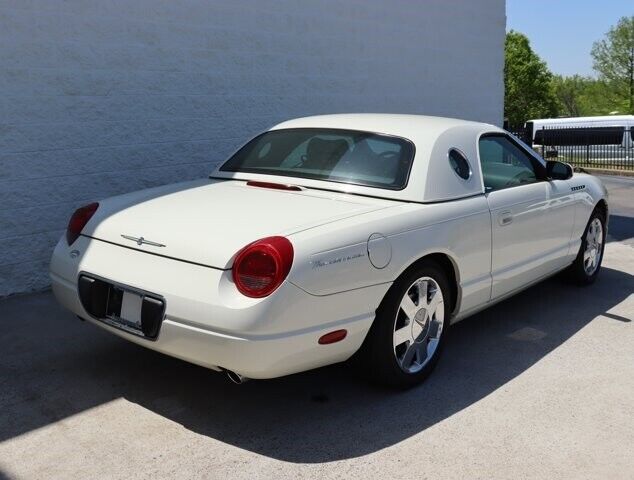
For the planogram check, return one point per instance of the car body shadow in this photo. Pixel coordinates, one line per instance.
(621, 228)
(329, 414)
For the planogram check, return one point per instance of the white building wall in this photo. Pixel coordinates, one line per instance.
(103, 97)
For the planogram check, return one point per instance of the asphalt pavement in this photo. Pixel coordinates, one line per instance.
(621, 190)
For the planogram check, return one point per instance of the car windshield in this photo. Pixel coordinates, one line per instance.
(345, 156)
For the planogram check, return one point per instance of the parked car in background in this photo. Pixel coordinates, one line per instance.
(332, 236)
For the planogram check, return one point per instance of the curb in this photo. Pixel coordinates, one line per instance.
(605, 171)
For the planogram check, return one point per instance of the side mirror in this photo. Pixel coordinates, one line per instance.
(558, 170)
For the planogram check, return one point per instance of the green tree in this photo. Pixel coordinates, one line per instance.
(614, 61)
(584, 96)
(528, 89)
(570, 91)
(599, 98)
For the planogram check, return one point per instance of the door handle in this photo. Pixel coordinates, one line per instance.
(505, 218)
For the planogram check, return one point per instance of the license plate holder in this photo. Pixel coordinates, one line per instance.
(124, 307)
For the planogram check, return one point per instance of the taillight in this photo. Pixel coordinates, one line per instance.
(78, 221)
(262, 266)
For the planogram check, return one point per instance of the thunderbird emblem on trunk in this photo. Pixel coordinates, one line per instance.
(142, 241)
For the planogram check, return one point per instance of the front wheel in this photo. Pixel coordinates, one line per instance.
(586, 266)
(406, 339)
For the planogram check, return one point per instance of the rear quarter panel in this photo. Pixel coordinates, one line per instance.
(335, 258)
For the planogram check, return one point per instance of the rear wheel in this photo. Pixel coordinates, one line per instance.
(406, 339)
(586, 266)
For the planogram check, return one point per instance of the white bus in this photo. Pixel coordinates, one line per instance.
(617, 130)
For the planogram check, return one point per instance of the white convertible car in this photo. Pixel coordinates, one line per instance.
(331, 236)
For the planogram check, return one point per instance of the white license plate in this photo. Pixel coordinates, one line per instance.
(131, 308)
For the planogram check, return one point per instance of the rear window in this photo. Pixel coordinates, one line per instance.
(343, 156)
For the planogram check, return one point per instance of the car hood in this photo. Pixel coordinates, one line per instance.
(209, 221)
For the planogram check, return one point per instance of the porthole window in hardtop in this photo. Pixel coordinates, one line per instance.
(459, 164)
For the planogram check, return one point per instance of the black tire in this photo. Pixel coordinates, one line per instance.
(377, 357)
(577, 272)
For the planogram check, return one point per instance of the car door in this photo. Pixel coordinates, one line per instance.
(531, 217)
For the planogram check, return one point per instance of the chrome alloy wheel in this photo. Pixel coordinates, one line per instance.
(594, 244)
(418, 324)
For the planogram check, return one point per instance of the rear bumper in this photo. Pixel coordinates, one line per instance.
(257, 338)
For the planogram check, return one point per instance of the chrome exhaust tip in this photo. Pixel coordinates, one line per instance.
(235, 377)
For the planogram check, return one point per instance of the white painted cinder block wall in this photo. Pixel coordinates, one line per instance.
(101, 97)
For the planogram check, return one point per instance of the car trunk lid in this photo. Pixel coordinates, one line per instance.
(208, 222)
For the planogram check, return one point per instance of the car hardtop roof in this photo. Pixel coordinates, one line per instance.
(408, 126)
(431, 177)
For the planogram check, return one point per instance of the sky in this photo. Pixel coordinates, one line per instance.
(562, 31)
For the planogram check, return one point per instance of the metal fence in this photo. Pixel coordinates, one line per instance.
(592, 147)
